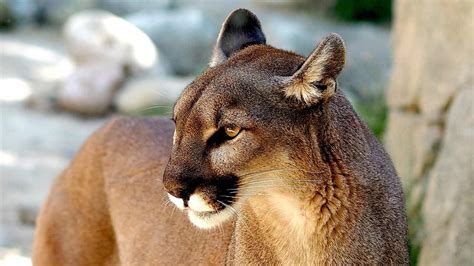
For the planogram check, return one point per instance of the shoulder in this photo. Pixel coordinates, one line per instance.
(136, 139)
(127, 130)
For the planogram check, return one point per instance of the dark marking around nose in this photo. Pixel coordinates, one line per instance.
(181, 190)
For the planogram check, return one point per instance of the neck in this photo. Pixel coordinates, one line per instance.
(307, 221)
(303, 222)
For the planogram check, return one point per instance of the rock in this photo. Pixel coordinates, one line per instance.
(89, 90)
(430, 130)
(448, 64)
(34, 63)
(185, 37)
(98, 36)
(427, 137)
(449, 219)
(431, 56)
(141, 94)
(399, 142)
(411, 140)
(103, 43)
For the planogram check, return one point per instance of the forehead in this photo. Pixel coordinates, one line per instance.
(239, 82)
(203, 106)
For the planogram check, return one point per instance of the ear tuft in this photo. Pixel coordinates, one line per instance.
(240, 29)
(315, 80)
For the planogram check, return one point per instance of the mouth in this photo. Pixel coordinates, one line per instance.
(210, 219)
(203, 214)
(210, 204)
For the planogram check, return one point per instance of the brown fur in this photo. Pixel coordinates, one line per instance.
(314, 186)
(109, 208)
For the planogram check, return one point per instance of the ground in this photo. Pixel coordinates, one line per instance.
(36, 143)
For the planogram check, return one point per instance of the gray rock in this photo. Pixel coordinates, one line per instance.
(184, 37)
(90, 89)
(98, 36)
(150, 94)
(33, 62)
(448, 213)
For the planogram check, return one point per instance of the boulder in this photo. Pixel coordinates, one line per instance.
(152, 93)
(412, 141)
(185, 37)
(399, 142)
(33, 64)
(430, 54)
(430, 127)
(448, 215)
(98, 36)
(90, 88)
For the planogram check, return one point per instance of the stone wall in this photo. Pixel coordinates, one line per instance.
(430, 133)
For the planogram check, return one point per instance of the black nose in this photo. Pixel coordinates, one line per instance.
(180, 190)
(179, 184)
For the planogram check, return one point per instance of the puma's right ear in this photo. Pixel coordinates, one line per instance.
(240, 29)
(315, 80)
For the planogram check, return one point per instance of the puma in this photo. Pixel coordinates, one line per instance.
(265, 156)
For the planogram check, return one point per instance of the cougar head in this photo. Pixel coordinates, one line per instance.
(242, 125)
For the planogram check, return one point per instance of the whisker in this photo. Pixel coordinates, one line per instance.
(241, 216)
(295, 169)
(155, 107)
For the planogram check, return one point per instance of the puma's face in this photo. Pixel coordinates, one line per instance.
(221, 137)
(241, 125)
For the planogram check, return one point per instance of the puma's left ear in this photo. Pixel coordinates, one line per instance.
(315, 80)
(240, 29)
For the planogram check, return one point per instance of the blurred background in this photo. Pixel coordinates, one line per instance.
(67, 66)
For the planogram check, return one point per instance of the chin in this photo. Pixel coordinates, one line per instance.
(208, 220)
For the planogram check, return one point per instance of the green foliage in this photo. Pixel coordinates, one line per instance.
(7, 20)
(414, 198)
(415, 226)
(363, 10)
(374, 113)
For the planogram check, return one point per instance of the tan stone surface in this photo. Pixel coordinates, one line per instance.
(399, 141)
(430, 125)
(448, 213)
(407, 55)
(433, 51)
(411, 140)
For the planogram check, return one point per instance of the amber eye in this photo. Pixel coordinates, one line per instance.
(232, 131)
